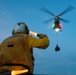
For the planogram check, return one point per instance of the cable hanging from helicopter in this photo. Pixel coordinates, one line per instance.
(57, 29)
(57, 26)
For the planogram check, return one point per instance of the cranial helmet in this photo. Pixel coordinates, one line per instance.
(20, 28)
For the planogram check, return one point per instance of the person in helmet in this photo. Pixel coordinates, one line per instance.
(16, 51)
(20, 28)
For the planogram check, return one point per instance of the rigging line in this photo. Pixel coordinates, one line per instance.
(57, 37)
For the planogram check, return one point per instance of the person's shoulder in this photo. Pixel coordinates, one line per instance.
(32, 37)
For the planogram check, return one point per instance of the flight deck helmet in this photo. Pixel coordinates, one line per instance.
(20, 28)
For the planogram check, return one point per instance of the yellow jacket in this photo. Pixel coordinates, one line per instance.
(21, 55)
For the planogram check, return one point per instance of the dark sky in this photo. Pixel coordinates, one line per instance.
(46, 61)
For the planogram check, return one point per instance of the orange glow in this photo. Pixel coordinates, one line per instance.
(19, 72)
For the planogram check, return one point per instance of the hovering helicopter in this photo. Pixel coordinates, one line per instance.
(57, 25)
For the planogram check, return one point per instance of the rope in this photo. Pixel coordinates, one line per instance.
(57, 37)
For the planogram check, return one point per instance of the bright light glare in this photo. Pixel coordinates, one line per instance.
(57, 29)
(18, 72)
(34, 33)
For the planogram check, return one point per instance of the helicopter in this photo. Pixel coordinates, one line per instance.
(57, 25)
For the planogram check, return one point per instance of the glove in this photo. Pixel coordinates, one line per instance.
(41, 35)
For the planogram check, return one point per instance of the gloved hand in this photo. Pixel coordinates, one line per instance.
(41, 35)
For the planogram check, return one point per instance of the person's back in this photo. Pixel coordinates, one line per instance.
(14, 50)
(18, 49)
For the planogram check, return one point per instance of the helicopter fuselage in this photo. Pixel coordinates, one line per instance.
(57, 22)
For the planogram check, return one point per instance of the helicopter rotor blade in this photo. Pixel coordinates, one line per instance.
(48, 20)
(47, 11)
(66, 21)
(67, 10)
